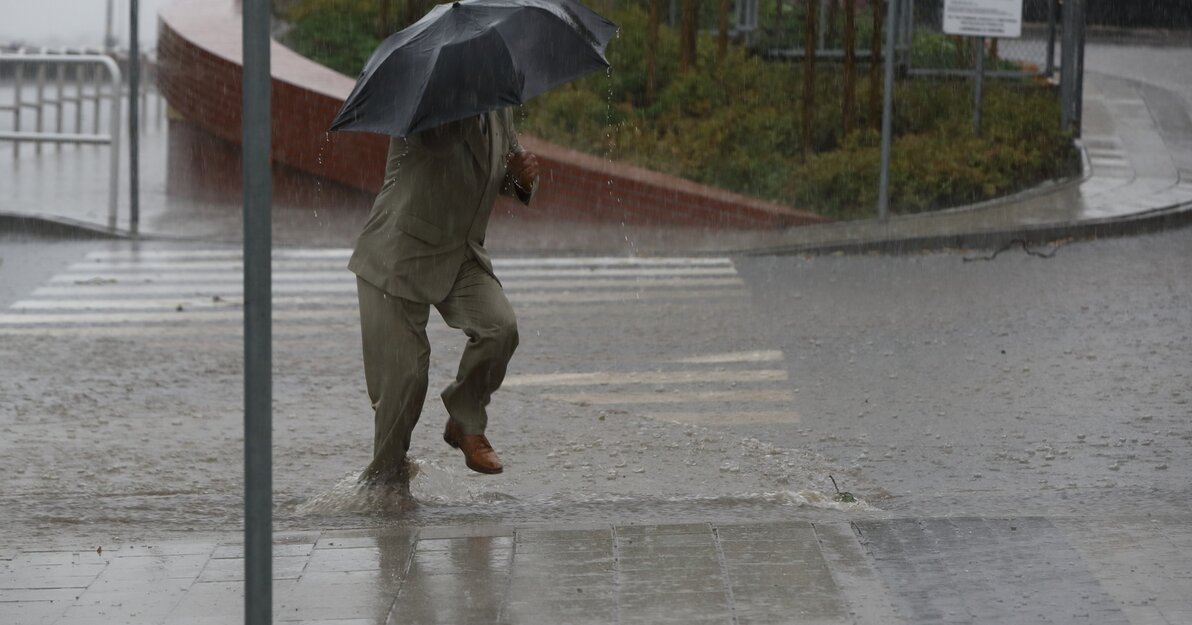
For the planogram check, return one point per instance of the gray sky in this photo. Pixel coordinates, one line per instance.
(75, 22)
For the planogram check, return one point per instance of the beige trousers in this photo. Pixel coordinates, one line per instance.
(397, 359)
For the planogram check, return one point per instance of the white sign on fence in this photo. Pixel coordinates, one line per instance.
(983, 18)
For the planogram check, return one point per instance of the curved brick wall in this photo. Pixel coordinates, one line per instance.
(199, 73)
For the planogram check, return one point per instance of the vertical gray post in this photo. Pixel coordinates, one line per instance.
(98, 76)
(115, 85)
(1071, 68)
(109, 41)
(1053, 8)
(41, 98)
(18, 100)
(883, 194)
(258, 330)
(81, 74)
(978, 84)
(1080, 39)
(59, 98)
(134, 128)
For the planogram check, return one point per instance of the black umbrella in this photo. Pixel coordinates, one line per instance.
(470, 57)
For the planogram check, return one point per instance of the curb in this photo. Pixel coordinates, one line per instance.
(57, 227)
(1156, 220)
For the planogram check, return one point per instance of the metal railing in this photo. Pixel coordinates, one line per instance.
(84, 70)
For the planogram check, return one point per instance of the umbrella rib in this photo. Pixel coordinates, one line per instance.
(422, 91)
(574, 29)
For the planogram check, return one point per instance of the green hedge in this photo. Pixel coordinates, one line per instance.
(735, 123)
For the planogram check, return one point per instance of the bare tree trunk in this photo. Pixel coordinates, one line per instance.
(778, 26)
(652, 52)
(407, 18)
(809, 75)
(832, 37)
(687, 33)
(384, 18)
(993, 54)
(722, 39)
(849, 106)
(875, 64)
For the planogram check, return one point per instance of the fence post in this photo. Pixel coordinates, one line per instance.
(1053, 7)
(17, 102)
(134, 108)
(114, 187)
(978, 84)
(1072, 67)
(883, 195)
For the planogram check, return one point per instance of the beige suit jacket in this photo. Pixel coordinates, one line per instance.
(434, 205)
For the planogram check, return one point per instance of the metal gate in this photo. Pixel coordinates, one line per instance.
(63, 86)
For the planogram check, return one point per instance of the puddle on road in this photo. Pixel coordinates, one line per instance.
(351, 506)
(441, 494)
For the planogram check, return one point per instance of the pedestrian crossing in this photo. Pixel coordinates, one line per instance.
(171, 295)
(733, 388)
(173, 290)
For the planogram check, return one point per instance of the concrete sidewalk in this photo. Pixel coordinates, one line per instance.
(876, 571)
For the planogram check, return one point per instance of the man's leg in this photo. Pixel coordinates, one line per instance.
(478, 306)
(396, 362)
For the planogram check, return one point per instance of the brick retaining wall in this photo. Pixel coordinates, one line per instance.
(199, 73)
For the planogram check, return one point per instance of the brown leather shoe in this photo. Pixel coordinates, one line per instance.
(478, 453)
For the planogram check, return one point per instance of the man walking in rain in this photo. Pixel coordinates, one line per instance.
(423, 246)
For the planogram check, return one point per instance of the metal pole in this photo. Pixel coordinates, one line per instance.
(883, 195)
(114, 165)
(98, 80)
(1081, 30)
(41, 97)
(978, 85)
(1052, 21)
(258, 356)
(82, 72)
(1069, 67)
(18, 73)
(109, 41)
(60, 96)
(134, 128)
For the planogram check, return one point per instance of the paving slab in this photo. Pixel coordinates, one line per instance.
(889, 571)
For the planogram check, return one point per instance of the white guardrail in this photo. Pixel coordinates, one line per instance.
(15, 63)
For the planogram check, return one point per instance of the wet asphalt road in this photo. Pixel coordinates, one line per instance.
(1018, 385)
(925, 384)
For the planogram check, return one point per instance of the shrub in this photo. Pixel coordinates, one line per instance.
(340, 34)
(736, 123)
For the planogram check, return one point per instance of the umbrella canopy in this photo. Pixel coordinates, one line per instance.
(473, 56)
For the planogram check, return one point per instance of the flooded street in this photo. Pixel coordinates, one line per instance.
(925, 385)
(722, 408)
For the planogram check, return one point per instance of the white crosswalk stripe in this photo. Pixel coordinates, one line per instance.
(180, 288)
(703, 393)
(184, 295)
